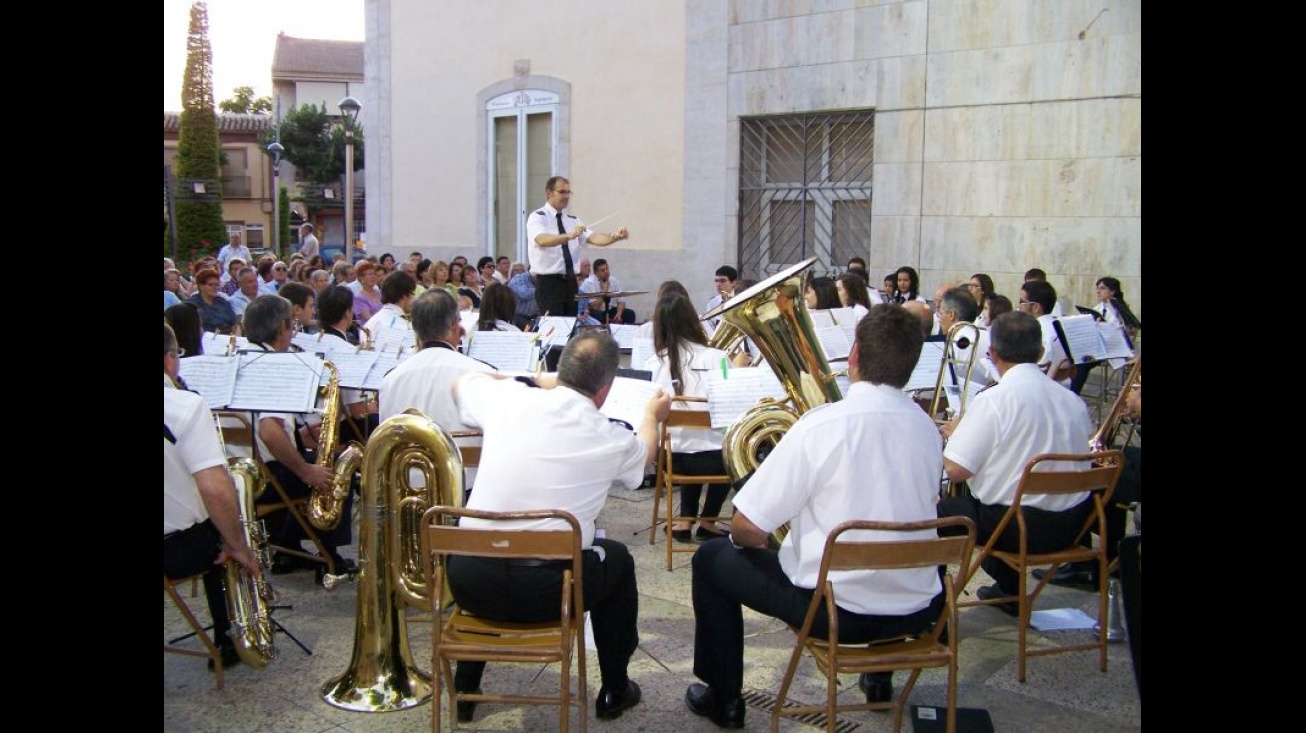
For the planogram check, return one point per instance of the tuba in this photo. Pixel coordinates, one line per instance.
(1106, 432)
(773, 314)
(326, 505)
(382, 676)
(249, 601)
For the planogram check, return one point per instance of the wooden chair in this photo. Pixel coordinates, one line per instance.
(238, 432)
(1100, 481)
(927, 651)
(210, 649)
(667, 479)
(464, 636)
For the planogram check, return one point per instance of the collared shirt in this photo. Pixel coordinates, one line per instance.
(873, 455)
(546, 449)
(268, 287)
(593, 285)
(524, 288)
(366, 304)
(715, 321)
(390, 316)
(216, 316)
(1053, 352)
(227, 252)
(170, 299)
(309, 247)
(697, 362)
(197, 448)
(425, 381)
(239, 302)
(1008, 424)
(548, 260)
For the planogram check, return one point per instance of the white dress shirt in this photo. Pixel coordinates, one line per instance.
(548, 260)
(197, 448)
(873, 455)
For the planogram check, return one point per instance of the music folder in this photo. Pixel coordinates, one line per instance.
(1097, 316)
(1087, 341)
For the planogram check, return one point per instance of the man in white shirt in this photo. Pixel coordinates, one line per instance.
(601, 309)
(725, 280)
(397, 291)
(1037, 298)
(1034, 274)
(249, 290)
(874, 455)
(201, 512)
(553, 449)
(308, 243)
(555, 239)
(1022, 416)
(234, 249)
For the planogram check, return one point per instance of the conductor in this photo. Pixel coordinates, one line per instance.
(556, 238)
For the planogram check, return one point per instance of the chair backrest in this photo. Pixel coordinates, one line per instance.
(688, 419)
(845, 553)
(1101, 476)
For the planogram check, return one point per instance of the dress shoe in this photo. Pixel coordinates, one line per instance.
(1072, 574)
(984, 593)
(229, 657)
(283, 564)
(877, 686)
(685, 536)
(467, 708)
(703, 534)
(702, 700)
(609, 704)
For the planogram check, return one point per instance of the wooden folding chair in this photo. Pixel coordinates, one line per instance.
(465, 637)
(927, 651)
(210, 649)
(238, 432)
(667, 479)
(1100, 481)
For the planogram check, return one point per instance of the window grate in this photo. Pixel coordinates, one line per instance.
(804, 190)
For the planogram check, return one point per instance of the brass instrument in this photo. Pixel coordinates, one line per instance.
(249, 601)
(728, 338)
(1106, 432)
(382, 676)
(773, 314)
(962, 335)
(366, 342)
(325, 506)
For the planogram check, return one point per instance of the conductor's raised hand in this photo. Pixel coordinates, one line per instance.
(621, 233)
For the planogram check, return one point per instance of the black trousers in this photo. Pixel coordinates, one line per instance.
(193, 550)
(285, 531)
(726, 579)
(556, 295)
(502, 591)
(1046, 531)
(627, 316)
(702, 462)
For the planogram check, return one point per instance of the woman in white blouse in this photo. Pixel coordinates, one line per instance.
(681, 363)
(853, 293)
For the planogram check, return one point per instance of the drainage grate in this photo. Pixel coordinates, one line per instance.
(765, 702)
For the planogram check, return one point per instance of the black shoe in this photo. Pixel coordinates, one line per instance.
(608, 705)
(467, 708)
(703, 534)
(984, 593)
(1076, 575)
(685, 536)
(702, 700)
(877, 686)
(283, 564)
(229, 657)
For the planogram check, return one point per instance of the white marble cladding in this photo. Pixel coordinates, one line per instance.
(957, 25)
(1065, 69)
(893, 83)
(1097, 187)
(1080, 129)
(882, 31)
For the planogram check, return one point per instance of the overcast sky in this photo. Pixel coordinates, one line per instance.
(243, 35)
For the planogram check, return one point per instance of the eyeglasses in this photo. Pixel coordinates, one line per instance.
(279, 269)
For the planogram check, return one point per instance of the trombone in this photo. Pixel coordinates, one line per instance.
(962, 337)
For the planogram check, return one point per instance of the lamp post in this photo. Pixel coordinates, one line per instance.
(350, 107)
(275, 150)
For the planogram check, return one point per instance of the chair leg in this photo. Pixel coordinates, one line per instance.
(1104, 603)
(657, 499)
(1023, 626)
(213, 652)
(780, 697)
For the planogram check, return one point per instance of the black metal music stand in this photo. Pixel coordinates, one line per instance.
(276, 626)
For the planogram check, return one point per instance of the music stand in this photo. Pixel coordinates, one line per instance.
(607, 300)
(276, 626)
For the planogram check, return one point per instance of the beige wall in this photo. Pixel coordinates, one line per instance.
(625, 115)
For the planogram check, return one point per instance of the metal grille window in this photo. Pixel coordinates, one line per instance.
(804, 190)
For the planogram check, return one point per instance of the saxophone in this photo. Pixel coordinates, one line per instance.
(249, 601)
(325, 506)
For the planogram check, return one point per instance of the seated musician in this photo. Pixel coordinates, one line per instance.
(1039, 299)
(553, 449)
(1006, 425)
(397, 292)
(335, 313)
(269, 327)
(201, 514)
(958, 306)
(884, 465)
(605, 310)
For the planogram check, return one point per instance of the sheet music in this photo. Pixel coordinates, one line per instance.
(640, 352)
(926, 372)
(353, 365)
(843, 316)
(1114, 338)
(214, 377)
(215, 344)
(821, 318)
(730, 396)
(836, 340)
(385, 361)
(511, 350)
(561, 325)
(276, 382)
(624, 334)
(627, 399)
(468, 319)
(393, 339)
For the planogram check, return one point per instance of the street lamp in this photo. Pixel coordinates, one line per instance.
(350, 107)
(275, 150)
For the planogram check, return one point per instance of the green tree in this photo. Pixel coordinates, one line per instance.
(243, 102)
(199, 216)
(315, 144)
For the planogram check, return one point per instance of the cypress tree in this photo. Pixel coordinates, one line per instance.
(198, 159)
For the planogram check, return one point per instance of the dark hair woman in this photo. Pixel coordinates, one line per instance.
(822, 293)
(498, 306)
(909, 285)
